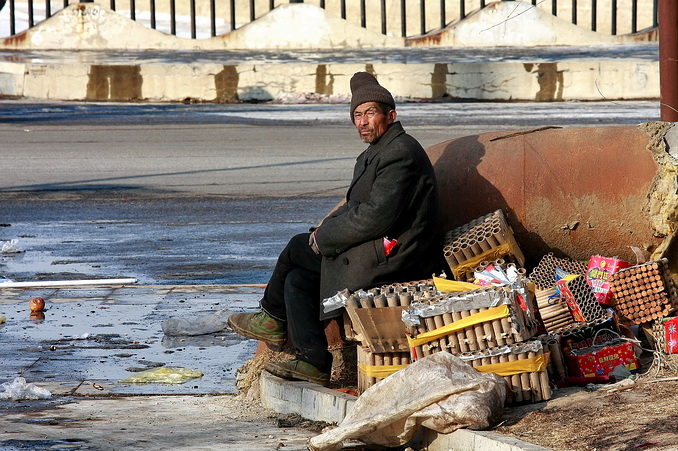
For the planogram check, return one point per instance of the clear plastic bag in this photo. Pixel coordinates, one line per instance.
(10, 247)
(18, 389)
(196, 325)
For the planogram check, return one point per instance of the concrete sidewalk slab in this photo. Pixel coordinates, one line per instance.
(90, 408)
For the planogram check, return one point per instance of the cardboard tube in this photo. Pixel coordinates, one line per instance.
(479, 332)
(507, 333)
(516, 387)
(525, 381)
(452, 341)
(442, 342)
(489, 337)
(470, 333)
(371, 362)
(461, 335)
(535, 381)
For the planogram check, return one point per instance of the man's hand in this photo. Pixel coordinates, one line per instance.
(312, 243)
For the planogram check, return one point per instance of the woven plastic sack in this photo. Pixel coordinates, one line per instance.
(439, 392)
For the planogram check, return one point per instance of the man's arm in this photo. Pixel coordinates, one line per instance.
(390, 194)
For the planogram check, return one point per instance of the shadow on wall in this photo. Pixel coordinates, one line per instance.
(575, 192)
(467, 195)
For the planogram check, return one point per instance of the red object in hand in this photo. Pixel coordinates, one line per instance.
(389, 245)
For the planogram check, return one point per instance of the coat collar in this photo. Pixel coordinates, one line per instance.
(389, 135)
(364, 159)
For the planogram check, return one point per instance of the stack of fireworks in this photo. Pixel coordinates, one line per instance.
(579, 295)
(472, 320)
(643, 292)
(555, 313)
(544, 274)
(522, 365)
(375, 317)
(484, 239)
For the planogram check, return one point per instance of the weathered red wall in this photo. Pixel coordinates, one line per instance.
(575, 192)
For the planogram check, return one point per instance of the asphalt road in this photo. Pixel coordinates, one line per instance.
(186, 194)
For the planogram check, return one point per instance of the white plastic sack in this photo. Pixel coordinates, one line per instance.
(197, 325)
(18, 389)
(439, 392)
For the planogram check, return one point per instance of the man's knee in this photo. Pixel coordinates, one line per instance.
(304, 281)
(299, 241)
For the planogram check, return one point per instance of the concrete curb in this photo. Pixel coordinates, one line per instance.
(317, 403)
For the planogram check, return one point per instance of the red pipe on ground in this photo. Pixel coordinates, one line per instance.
(667, 16)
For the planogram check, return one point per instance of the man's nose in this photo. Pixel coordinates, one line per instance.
(362, 120)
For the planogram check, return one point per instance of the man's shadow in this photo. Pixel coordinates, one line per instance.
(466, 195)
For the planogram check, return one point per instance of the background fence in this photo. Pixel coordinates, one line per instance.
(406, 18)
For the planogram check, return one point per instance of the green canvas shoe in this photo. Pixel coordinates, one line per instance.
(298, 369)
(260, 326)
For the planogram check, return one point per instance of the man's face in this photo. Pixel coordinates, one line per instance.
(371, 122)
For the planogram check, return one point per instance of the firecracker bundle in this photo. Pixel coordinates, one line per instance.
(376, 321)
(472, 320)
(643, 293)
(563, 295)
(375, 366)
(486, 238)
(580, 298)
(522, 365)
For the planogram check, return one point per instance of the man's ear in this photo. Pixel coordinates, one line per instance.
(392, 116)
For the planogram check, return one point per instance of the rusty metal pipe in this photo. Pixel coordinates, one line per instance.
(668, 59)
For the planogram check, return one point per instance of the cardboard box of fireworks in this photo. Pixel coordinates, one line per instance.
(601, 359)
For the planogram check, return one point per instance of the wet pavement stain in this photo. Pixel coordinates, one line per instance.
(89, 346)
(120, 83)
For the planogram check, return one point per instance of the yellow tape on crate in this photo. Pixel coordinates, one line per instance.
(499, 312)
(379, 371)
(530, 365)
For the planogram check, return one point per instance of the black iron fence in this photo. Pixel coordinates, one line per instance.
(206, 18)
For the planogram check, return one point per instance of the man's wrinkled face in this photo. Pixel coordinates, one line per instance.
(371, 121)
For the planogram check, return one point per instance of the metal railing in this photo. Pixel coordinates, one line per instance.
(191, 18)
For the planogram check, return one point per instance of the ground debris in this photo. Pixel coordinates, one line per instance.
(642, 416)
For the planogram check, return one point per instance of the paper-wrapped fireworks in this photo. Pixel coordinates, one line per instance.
(471, 320)
(522, 365)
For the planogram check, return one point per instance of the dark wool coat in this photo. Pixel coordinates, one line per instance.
(393, 194)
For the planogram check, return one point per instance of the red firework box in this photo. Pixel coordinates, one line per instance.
(601, 360)
(671, 331)
(599, 271)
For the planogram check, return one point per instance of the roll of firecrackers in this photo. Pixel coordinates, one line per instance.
(580, 298)
(643, 293)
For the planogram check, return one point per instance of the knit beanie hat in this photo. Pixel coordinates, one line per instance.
(366, 88)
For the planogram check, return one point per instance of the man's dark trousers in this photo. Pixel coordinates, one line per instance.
(293, 295)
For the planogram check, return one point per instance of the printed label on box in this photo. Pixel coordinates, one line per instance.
(671, 331)
(601, 361)
(598, 274)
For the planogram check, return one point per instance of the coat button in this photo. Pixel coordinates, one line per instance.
(345, 261)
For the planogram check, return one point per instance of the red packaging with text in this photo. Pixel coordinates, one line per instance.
(671, 331)
(570, 298)
(599, 271)
(601, 360)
